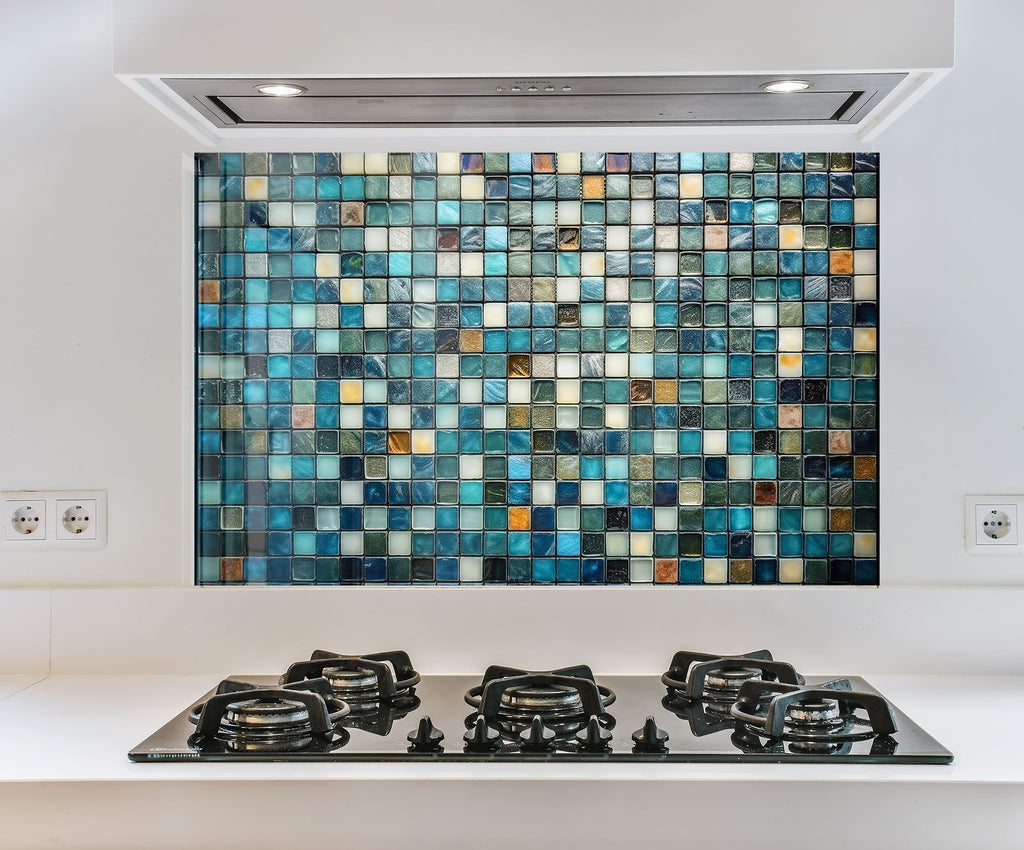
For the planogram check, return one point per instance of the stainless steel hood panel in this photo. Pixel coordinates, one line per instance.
(579, 101)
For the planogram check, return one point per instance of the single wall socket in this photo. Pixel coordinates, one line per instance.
(991, 525)
(54, 519)
(25, 519)
(76, 519)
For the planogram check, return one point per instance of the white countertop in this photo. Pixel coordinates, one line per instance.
(102, 717)
(65, 780)
(12, 684)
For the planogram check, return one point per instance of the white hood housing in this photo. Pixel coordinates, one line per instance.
(533, 64)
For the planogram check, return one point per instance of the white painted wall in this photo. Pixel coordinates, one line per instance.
(91, 333)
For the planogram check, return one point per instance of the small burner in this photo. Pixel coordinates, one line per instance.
(814, 716)
(358, 686)
(723, 683)
(365, 681)
(826, 714)
(248, 718)
(718, 678)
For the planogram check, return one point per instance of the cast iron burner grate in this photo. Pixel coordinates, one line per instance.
(377, 677)
(243, 717)
(718, 678)
(379, 687)
(515, 701)
(816, 719)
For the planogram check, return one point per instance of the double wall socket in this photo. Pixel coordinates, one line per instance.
(992, 525)
(54, 519)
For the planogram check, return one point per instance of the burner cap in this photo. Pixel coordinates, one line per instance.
(821, 716)
(258, 714)
(728, 679)
(265, 724)
(350, 682)
(549, 701)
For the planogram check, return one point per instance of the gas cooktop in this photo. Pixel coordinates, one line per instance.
(704, 708)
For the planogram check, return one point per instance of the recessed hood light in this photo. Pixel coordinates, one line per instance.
(786, 86)
(280, 90)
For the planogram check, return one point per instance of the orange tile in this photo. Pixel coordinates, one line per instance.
(544, 163)
(593, 186)
(840, 519)
(231, 569)
(766, 493)
(209, 291)
(865, 468)
(519, 519)
(471, 339)
(840, 262)
(399, 442)
(640, 390)
(519, 365)
(666, 392)
(666, 571)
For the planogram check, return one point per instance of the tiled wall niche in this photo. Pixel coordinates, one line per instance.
(573, 368)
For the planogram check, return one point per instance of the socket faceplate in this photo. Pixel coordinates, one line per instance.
(991, 525)
(51, 517)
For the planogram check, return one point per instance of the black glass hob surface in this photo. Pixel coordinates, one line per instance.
(558, 716)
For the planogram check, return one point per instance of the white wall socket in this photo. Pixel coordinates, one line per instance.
(992, 525)
(54, 519)
(25, 519)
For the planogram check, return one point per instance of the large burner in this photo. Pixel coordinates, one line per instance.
(243, 717)
(265, 723)
(548, 701)
(563, 699)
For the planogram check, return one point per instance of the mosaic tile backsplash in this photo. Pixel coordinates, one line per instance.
(546, 368)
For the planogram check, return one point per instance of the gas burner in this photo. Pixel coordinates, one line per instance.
(242, 717)
(563, 699)
(717, 679)
(366, 682)
(813, 719)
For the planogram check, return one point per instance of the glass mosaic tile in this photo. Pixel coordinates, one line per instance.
(537, 368)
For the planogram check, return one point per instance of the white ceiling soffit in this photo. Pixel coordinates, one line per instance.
(534, 64)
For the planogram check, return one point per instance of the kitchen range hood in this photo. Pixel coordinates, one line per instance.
(577, 65)
(547, 101)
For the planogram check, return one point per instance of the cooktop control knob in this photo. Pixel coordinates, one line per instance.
(538, 738)
(427, 737)
(594, 738)
(650, 739)
(481, 738)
